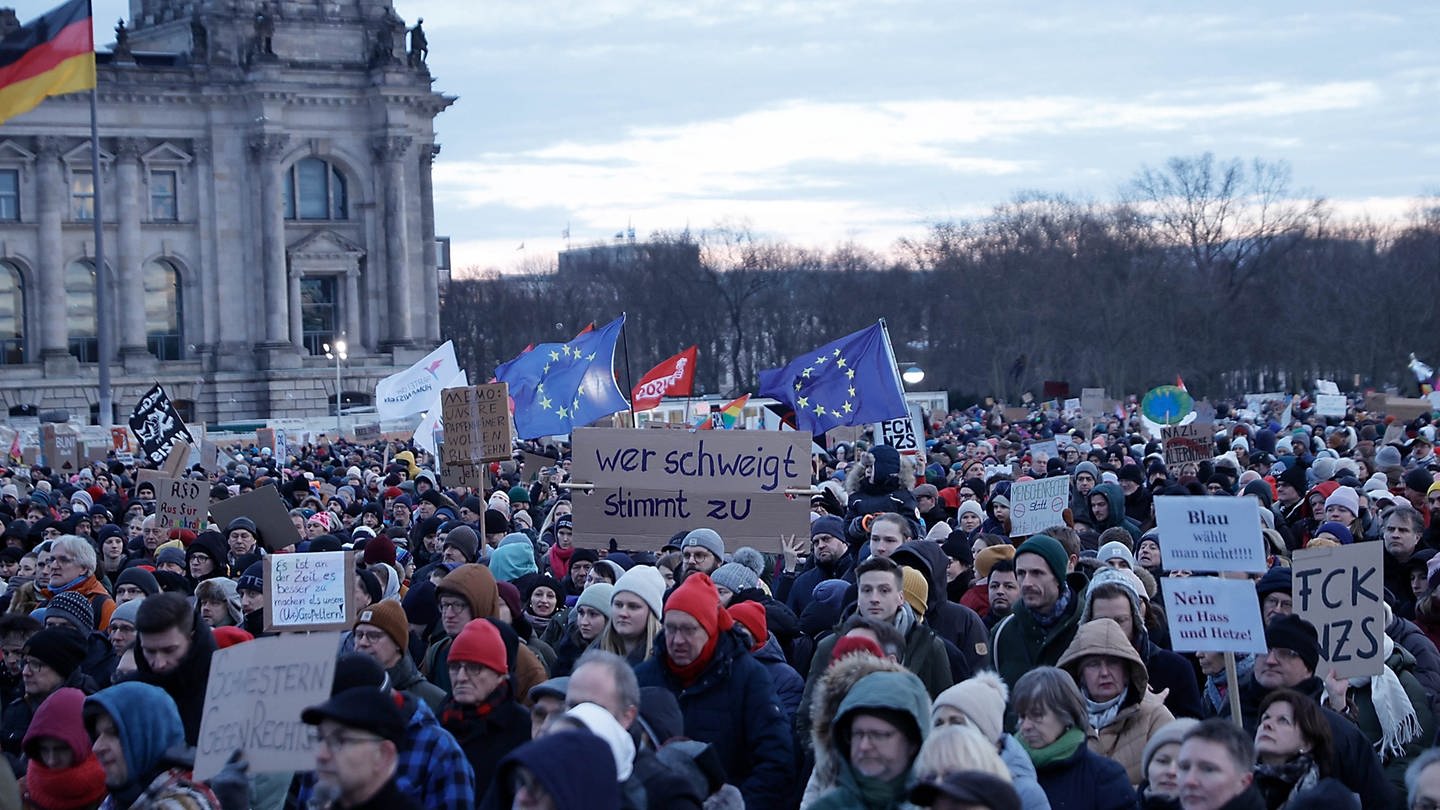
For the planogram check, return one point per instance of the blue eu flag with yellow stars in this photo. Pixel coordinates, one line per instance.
(850, 381)
(560, 386)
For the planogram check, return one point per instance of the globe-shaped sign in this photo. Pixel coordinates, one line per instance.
(1167, 405)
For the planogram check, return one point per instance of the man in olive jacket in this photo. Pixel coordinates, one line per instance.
(1041, 627)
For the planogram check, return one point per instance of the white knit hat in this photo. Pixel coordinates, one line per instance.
(646, 582)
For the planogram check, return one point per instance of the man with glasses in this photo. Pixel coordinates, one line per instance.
(482, 713)
(72, 565)
(357, 734)
(15, 630)
(49, 660)
(383, 632)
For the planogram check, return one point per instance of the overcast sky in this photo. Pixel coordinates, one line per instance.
(819, 121)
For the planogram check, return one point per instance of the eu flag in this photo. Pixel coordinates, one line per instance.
(560, 386)
(850, 381)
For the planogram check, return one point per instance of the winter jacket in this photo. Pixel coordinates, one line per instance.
(476, 584)
(1086, 781)
(486, 740)
(900, 693)
(1170, 670)
(817, 732)
(1407, 634)
(954, 623)
(789, 686)
(796, 590)
(185, 684)
(1019, 643)
(92, 589)
(1117, 517)
(1402, 663)
(1022, 775)
(1141, 713)
(924, 655)
(881, 482)
(405, 677)
(731, 705)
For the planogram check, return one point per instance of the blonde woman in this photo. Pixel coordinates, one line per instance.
(635, 610)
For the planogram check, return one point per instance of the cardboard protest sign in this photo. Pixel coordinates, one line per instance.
(265, 437)
(492, 406)
(1202, 533)
(181, 504)
(1013, 414)
(1050, 448)
(178, 460)
(1330, 405)
(1209, 614)
(1038, 505)
(369, 432)
(462, 475)
(1406, 409)
(61, 447)
(254, 698)
(1187, 445)
(310, 591)
(532, 464)
(265, 507)
(648, 484)
(1326, 387)
(462, 426)
(1072, 407)
(1092, 401)
(1341, 591)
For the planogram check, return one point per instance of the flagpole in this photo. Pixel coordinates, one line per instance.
(890, 350)
(629, 383)
(102, 277)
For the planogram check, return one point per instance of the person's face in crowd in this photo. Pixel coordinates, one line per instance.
(1148, 555)
(564, 537)
(38, 678)
(545, 707)
(11, 645)
(298, 521)
(1100, 507)
(1317, 504)
(1278, 738)
(885, 537)
(241, 542)
(967, 494)
(425, 510)
(1285, 493)
(113, 547)
(1128, 487)
(109, 751)
(1209, 776)
(1419, 583)
(725, 595)
(360, 594)
(1211, 663)
(976, 547)
(1084, 482)
(589, 622)
(164, 650)
(348, 759)
(925, 501)
(1426, 794)
(1163, 773)
(594, 684)
(878, 749)
(51, 533)
(1275, 604)
(1001, 511)
(684, 638)
(1432, 499)
(1400, 538)
(471, 683)
(136, 526)
(629, 614)
(1339, 514)
(1102, 676)
(27, 566)
(370, 519)
(600, 573)
(453, 554)
(1280, 667)
(668, 574)
(1004, 590)
(54, 752)
(947, 715)
(215, 613)
(1116, 608)
(543, 601)
(468, 515)
(828, 548)
(530, 793)
(455, 612)
(201, 565)
(35, 512)
(969, 522)
(580, 573)
(699, 558)
(314, 529)
(64, 567)
(8, 568)
(122, 635)
(1040, 726)
(880, 596)
(42, 569)
(954, 567)
(251, 601)
(1039, 589)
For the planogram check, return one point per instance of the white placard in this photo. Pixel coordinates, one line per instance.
(1200, 533)
(1209, 614)
(1050, 447)
(906, 434)
(1326, 387)
(310, 591)
(1330, 405)
(1038, 505)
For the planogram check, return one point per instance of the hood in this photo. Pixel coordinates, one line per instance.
(509, 563)
(1116, 498)
(881, 470)
(477, 585)
(1104, 637)
(567, 763)
(928, 558)
(834, 686)
(146, 719)
(59, 716)
(901, 692)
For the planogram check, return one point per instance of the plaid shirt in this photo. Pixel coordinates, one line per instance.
(431, 766)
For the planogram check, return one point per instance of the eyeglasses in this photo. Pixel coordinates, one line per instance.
(58, 559)
(467, 668)
(1282, 654)
(453, 605)
(877, 736)
(338, 739)
(32, 664)
(368, 636)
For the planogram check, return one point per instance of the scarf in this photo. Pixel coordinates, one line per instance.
(460, 718)
(537, 623)
(1280, 783)
(1062, 749)
(1215, 687)
(1049, 620)
(880, 794)
(1398, 724)
(904, 619)
(691, 672)
(80, 785)
(1103, 713)
(560, 561)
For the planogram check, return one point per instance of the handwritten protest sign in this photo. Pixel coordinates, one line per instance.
(492, 407)
(61, 447)
(1187, 445)
(651, 483)
(1341, 592)
(906, 434)
(1209, 614)
(1330, 405)
(181, 504)
(369, 432)
(1210, 534)
(264, 506)
(1038, 505)
(462, 426)
(310, 591)
(1050, 448)
(254, 698)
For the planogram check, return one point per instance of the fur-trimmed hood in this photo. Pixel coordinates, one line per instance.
(830, 692)
(879, 471)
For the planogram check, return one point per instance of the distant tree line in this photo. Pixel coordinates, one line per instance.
(1213, 270)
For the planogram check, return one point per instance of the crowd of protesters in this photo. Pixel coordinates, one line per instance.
(910, 652)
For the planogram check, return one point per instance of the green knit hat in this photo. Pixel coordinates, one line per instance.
(1050, 550)
(519, 494)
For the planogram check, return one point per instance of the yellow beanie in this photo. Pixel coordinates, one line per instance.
(917, 589)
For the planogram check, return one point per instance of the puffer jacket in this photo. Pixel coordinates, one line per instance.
(1402, 663)
(954, 623)
(789, 686)
(1407, 634)
(898, 692)
(880, 482)
(1142, 712)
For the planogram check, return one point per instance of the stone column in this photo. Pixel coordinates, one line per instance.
(214, 329)
(390, 151)
(431, 281)
(267, 149)
(129, 204)
(297, 324)
(51, 195)
(351, 286)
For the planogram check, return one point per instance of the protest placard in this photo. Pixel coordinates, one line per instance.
(1326, 387)
(265, 437)
(265, 507)
(533, 463)
(61, 447)
(462, 427)
(1330, 405)
(1038, 505)
(1092, 401)
(1210, 534)
(178, 460)
(1014, 414)
(1072, 407)
(1341, 591)
(906, 434)
(648, 484)
(181, 504)
(253, 700)
(492, 408)
(369, 432)
(1186, 446)
(1209, 614)
(312, 591)
(1050, 448)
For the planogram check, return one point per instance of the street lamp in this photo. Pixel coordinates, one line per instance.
(337, 353)
(913, 374)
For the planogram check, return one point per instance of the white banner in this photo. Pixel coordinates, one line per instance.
(1038, 505)
(416, 388)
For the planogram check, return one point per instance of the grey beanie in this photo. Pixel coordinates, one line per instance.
(735, 577)
(126, 612)
(707, 539)
(1172, 732)
(597, 597)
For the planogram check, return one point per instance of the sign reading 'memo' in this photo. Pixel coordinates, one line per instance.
(649, 484)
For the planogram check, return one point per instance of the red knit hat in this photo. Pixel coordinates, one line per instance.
(855, 644)
(697, 596)
(479, 642)
(380, 549)
(751, 615)
(230, 636)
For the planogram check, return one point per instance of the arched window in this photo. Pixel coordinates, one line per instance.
(315, 189)
(163, 310)
(80, 322)
(12, 315)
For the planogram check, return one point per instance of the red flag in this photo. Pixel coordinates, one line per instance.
(673, 377)
(1179, 383)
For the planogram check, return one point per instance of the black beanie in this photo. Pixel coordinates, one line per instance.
(60, 648)
(496, 522)
(959, 546)
(1291, 632)
(1419, 479)
(372, 585)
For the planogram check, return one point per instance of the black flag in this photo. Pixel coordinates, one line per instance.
(157, 424)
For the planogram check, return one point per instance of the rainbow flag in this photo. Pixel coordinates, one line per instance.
(724, 419)
(50, 55)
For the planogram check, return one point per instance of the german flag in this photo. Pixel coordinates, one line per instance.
(51, 55)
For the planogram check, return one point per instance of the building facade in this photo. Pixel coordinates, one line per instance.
(265, 184)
